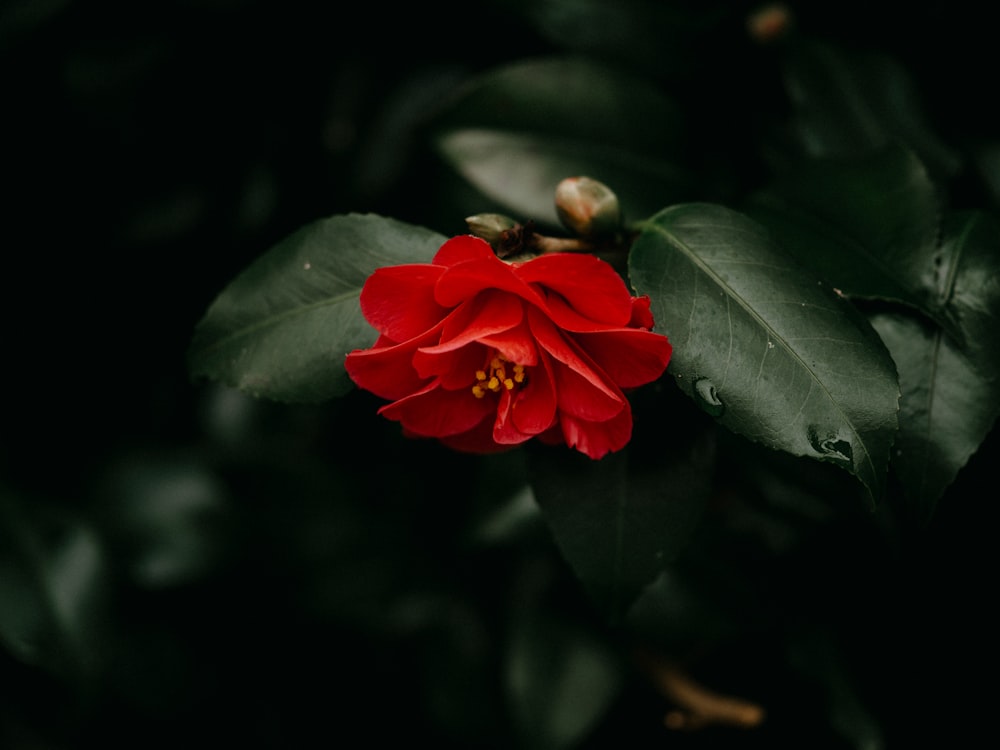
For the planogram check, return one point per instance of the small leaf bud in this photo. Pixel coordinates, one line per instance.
(490, 227)
(587, 208)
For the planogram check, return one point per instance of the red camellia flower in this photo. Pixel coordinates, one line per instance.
(484, 354)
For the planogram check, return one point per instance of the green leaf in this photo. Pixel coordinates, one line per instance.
(515, 132)
(620, 520)
(950, 392)
(848, 103)
(282, 328)
(773, 354)
(868, 226)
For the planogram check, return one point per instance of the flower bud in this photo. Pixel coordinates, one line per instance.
(490, 227)
(587, 208)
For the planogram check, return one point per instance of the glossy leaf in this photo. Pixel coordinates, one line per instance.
(950, 392)
(773, 354)
(618, 521)
(515, 132)
(868, 226)
(282, 328)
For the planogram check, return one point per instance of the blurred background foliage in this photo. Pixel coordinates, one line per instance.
(180, 564)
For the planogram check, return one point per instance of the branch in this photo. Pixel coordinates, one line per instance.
(697, 706)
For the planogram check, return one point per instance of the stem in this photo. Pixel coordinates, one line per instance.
(546, 244)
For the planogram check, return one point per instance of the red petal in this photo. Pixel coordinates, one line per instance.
(461, 249)
(534, 409)
(516, 344)
(505, 430)
(590, 285)
(597, 439)
(465, 280)
(456, 368)
(556, 343)
(477, 440)
(489, 313)
(399, 300)
(436, 412)
(387, 371)
(642, 317)
(578, 396)
(629, 356)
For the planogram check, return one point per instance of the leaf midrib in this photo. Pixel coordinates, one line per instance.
(674, 241)
(273, 320)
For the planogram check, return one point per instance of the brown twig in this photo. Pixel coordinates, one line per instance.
(697, 706)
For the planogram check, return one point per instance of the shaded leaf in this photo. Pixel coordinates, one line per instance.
(560, 676)
(619, 521)
(849, 103)
(868, 226)
(666, 39)
(816, 655)
(774, 355)
(54, 590)
(282, 328)
(950, 392)
(515, 132)
(167, 519)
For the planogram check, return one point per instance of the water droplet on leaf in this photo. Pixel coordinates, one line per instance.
(708, 397)
(831, 447)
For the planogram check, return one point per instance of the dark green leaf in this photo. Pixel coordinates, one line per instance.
(282, 328)
(848, 103)
(870, 227)
(516, 132)
(950, 393)
(775, 355)
(619, 520)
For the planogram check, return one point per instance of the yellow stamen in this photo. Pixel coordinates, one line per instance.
(497, 377)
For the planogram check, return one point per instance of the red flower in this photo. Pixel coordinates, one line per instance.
(484, 354)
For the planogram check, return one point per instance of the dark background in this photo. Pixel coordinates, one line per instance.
(150, 151)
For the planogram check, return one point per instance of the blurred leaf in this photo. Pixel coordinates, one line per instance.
(168, 519)
(870, 227)
(560, 676)
(950, 393)
(282, 328)
(661, 37)
(849, 103)
(986, 160)
(517, 131)
(816, 655)
(619, 521)
(54, 589)
(771, 353)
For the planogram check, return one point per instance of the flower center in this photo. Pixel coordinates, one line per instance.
(500, 374)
